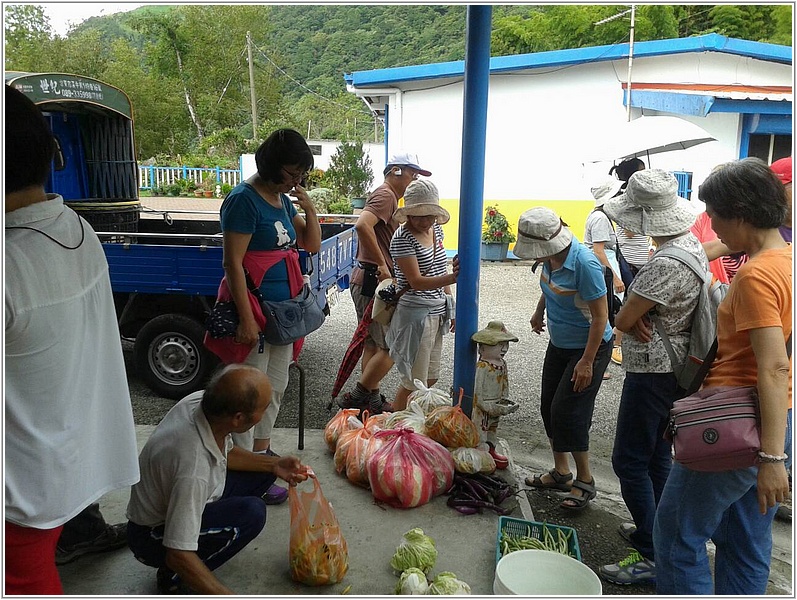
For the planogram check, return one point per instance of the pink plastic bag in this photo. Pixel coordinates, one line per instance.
(409, 469)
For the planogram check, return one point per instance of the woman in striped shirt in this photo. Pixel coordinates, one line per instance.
(425, 308)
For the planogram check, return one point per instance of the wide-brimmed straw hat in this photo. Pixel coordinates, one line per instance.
(493, 334)
(605, 190)
(541, 233)
(651, 205)
(421, 199)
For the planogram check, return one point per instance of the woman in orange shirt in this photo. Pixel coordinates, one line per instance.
(746, 203)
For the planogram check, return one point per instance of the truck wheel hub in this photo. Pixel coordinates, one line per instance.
(174, 358)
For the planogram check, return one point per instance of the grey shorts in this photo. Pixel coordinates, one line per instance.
(376, 332)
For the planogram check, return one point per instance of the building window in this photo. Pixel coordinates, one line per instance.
(315, 149)
(684, 184)
(769, 148)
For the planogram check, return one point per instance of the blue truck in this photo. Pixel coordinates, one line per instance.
(165, 278)
(165, 272)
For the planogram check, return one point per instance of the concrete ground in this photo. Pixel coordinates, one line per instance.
(466, 544)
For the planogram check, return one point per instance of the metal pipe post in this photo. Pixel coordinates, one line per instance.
(474, 131)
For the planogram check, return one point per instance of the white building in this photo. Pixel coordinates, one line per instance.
(323, 150)
(549, 115)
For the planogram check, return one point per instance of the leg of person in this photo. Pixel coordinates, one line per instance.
(366, 392)
(689, 512)
(435, 355)
(88, 533)
(421, 364)
(360, 304)
(30, 561)
(274, 362)
(743, 568)
(571, 416)
(641, 461)
(553, 370)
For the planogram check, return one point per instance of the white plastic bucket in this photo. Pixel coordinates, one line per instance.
(543, 573)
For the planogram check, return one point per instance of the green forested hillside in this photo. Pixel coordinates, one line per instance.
(185, 67)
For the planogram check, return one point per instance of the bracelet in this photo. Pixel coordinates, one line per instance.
(763, 457)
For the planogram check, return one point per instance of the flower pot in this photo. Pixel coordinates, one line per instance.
(198, 193)
(207, 193)
(358, 202)
(494, 252)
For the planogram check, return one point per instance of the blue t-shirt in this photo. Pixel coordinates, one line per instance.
(246, 211)
(567, 292)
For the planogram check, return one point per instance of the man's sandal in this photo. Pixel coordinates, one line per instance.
(588, 492)
(560, 482)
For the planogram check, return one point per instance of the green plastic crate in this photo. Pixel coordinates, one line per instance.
(533, 529)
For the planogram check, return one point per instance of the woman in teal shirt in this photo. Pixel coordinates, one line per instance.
(261, 228)
(574, 296)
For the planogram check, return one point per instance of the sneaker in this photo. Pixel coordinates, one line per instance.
(169, 584)
(275, 495)
(617, 355)
(113, 538)
(625, 530)
(634, 568)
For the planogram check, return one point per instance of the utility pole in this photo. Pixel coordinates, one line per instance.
(252, 84)
(630, 62)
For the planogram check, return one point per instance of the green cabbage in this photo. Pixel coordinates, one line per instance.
(447, 584)
(416, 550)
(412, 583)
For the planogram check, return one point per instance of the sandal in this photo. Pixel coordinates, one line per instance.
(588, 492)
(560, 482)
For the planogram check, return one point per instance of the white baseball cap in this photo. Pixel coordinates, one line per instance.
(407, 159)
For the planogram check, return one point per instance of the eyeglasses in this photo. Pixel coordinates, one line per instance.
(294, 176)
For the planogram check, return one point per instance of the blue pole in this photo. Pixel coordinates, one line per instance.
(474, 131)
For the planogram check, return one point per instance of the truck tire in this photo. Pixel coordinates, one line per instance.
(170, 357)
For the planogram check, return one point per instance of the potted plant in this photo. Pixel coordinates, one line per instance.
(496, 235)
(208, 185)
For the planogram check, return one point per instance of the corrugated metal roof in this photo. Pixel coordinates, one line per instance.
(501, 64)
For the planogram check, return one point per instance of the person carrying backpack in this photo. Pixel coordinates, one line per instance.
(668, 289)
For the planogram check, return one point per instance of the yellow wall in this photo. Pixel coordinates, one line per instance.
(573, 212)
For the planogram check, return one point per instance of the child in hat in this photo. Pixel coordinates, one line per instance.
(491, 390)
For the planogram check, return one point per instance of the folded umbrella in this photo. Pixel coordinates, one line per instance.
(353, 353)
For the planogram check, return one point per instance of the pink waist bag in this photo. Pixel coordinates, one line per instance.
(716, 429)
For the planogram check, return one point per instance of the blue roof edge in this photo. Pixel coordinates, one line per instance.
(558, 58)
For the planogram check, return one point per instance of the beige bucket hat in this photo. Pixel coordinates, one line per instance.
(421, 199)
(651, 205)
(541, 233)
(605, 190)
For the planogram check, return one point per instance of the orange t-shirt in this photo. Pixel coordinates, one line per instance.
(759, 296)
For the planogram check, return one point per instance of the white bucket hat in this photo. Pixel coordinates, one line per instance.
(605, 190)
(651, 206)
(421, 199)
(541, 233)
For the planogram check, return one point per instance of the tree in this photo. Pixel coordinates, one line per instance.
(350, 174)
(27, 37)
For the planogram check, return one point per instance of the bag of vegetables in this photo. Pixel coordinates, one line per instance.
(472, 460)
(411, 417)
(344, 442)
(409, 469)
(374, 423)
(428, 398)
(337, 424)
(452, 428)
(356, 455)
(318, 553)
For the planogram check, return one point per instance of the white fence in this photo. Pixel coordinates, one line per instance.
(151, 177)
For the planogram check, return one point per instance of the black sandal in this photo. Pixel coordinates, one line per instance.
(588, 492)
(560, 482)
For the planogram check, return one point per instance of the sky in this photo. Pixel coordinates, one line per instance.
(64, 14)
